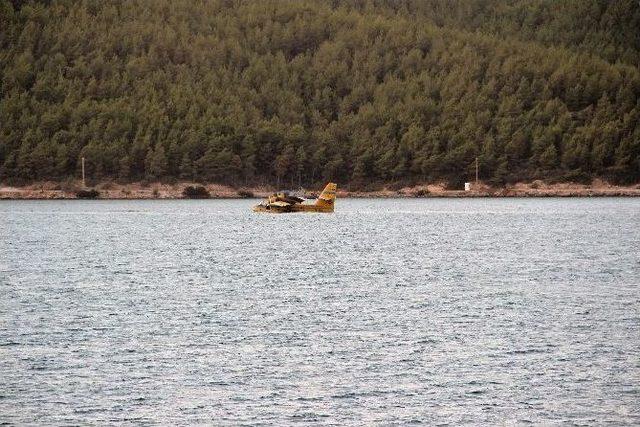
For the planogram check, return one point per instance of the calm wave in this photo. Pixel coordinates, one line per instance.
(426, 311)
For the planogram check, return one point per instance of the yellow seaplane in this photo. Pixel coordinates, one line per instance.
(284, 202)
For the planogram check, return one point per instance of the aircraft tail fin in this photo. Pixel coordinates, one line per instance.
(328, 195)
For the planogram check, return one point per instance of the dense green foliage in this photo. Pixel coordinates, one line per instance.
(304, 91)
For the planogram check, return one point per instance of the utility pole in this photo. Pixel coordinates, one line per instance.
(83, 182)
(476, 171)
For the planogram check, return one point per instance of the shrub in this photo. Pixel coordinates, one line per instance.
(195, 192)
(395, 186)
(246, 194)
(420, 193)
(87, 194)
(576, 176)
(455, 183)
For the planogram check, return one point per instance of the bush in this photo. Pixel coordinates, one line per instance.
(195, 192)
(574, 176)
(455, 183)
(620, 176)
(87, 194)
(395, 186)
(246, 194)
(420, 193)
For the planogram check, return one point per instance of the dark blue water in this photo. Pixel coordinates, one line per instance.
(485, 311)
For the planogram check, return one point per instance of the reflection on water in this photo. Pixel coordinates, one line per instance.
(386, 312)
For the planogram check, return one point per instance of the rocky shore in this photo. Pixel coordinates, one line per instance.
(109, 190)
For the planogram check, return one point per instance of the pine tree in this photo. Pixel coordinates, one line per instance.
(298, 92)
(155, 163)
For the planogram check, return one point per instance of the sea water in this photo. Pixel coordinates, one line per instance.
(434, 311)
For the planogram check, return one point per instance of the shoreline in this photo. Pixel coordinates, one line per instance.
(152, 191)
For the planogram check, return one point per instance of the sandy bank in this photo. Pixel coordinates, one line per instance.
(53, 190)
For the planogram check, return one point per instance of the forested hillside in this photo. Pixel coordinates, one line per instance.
(299, 92)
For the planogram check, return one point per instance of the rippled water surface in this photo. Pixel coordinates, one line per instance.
(427, 311)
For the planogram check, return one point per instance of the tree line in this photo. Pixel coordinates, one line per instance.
(299, 92)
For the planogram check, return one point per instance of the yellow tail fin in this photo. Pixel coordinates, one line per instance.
(328, 195)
